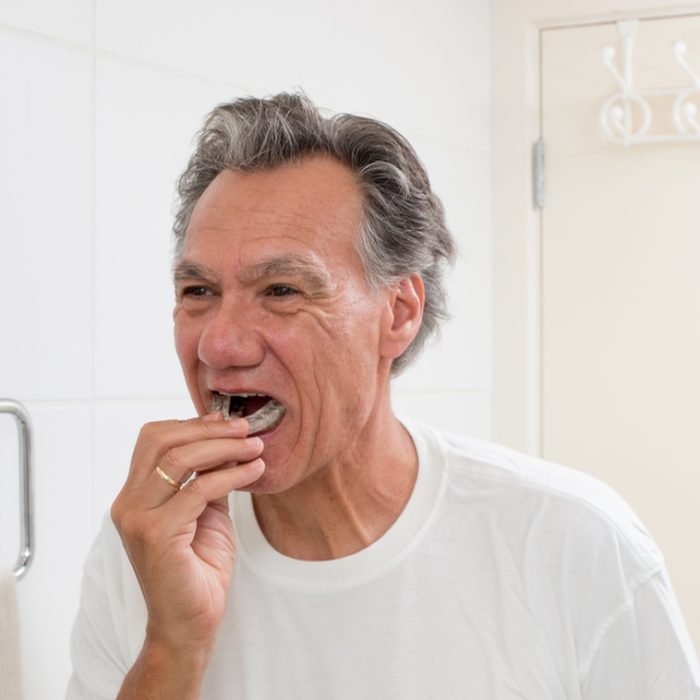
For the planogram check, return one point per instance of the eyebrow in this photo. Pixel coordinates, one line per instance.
(186, 269)
(291, 264)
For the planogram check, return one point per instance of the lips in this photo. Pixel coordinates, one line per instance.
(260, 410)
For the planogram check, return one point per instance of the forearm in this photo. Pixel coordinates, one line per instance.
(159, 673)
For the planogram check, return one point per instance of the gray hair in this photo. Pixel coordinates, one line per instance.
(403, 231)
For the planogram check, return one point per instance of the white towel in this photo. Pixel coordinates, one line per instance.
(10, 657)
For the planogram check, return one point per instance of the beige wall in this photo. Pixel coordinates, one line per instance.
(644, 444)
(515, 28)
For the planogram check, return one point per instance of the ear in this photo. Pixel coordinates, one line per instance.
(403, 317)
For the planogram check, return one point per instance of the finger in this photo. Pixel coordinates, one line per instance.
(189, 503)
(155, 439)
(181, 462)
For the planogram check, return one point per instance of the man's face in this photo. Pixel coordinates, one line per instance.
(272, 300)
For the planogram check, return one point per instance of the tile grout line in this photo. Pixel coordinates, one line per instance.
(236, 88)
(135, 61)
(185, 397)
(201, 77)
(93, 262)
(34, 35)
(123, 58)
(97, 401)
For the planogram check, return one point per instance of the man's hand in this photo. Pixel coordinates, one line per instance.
(181, 544)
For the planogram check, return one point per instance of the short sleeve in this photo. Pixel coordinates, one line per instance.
(98, 671)
(644, 651)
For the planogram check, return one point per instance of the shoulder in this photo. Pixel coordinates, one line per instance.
(557, 541)
(563, 507)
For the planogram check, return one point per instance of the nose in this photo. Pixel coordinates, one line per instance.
(231, 338)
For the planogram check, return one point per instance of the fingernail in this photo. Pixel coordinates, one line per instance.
(254, 442)
(211, 417)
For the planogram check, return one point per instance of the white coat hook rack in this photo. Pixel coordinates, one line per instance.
(627, 116)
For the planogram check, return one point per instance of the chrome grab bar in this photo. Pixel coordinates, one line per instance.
(26, 513)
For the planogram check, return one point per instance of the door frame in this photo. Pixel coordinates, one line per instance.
(516, 26)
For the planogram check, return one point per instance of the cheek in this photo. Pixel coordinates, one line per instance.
(346, 370)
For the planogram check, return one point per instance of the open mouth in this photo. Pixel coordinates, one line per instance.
(261, 411)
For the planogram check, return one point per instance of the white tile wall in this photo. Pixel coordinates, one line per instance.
(146, 118)
(420, 66)
(116, 426)
(101, 99)
(70, 20)
(461, 359)
(462, 412)
(262, 47)
(45, 236)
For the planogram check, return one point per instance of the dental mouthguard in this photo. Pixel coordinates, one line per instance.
(234, 406)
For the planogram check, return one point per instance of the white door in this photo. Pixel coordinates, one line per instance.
(621, 285)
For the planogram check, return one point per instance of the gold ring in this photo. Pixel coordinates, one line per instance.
(168, 479)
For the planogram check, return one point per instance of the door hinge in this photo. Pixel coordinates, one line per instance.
(538, 173)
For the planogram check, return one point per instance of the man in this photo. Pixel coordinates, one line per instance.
(369, 558)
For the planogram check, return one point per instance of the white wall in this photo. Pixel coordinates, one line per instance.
(100, 100)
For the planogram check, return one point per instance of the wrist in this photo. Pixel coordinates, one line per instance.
(191, 655)
(165, 672)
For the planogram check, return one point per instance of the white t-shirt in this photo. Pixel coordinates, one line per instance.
(504, 578)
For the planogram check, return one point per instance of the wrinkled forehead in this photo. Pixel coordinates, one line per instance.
(312, 195)
(312, 209)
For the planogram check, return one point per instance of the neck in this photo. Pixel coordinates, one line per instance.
(347, 505)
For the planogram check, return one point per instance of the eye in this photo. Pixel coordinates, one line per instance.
(195, 290)
(195, 296)
(280, 290)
